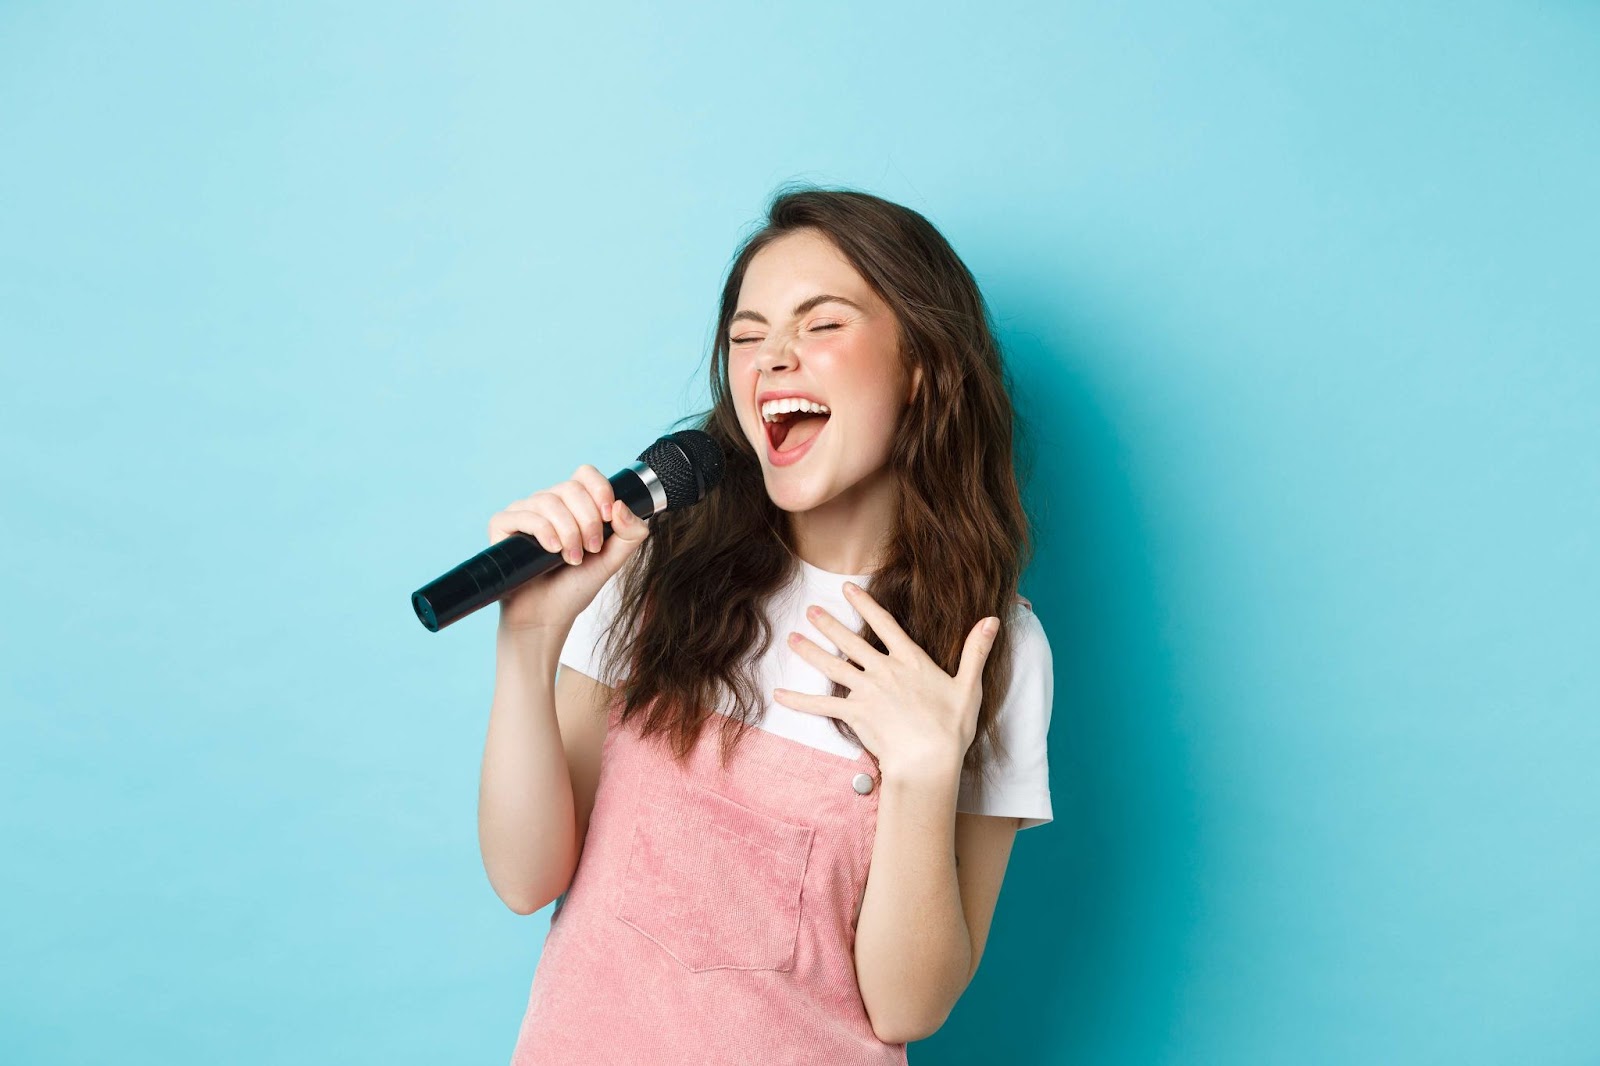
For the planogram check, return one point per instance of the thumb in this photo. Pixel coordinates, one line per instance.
(976, 651)
(628, 531)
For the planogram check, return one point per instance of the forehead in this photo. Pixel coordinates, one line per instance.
(798, 264)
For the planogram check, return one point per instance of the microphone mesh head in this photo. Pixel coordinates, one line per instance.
(689, 464)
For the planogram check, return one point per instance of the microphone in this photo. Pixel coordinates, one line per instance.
(676, 471)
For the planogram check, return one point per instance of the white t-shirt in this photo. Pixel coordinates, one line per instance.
(1019, 786)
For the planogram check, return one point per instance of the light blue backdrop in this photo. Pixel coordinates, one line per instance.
(1301, 300)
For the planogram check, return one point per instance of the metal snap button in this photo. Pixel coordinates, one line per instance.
(862, 783)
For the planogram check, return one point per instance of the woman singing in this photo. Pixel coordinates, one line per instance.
(740, 879)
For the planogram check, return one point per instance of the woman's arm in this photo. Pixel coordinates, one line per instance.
(527, 828)
(928, 903)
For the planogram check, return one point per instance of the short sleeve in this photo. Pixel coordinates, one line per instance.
(585, 643)
(1019, 782)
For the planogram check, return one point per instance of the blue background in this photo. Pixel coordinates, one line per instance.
(1300, 299)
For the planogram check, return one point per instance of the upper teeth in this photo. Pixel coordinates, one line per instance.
(773, 408)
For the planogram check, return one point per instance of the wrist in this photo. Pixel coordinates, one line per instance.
(925, 770)
(543, 641)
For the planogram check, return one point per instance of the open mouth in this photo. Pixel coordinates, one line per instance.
(792, 429)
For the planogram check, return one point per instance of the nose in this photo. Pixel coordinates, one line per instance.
(777, 353)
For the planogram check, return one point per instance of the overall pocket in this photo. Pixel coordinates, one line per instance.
(715, 884)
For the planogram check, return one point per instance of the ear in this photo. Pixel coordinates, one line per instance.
(916, 382)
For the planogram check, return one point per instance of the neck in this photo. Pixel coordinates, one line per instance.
(849, 533)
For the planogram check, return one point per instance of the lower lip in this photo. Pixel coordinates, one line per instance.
(793, 455)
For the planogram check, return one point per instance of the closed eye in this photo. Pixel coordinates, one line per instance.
(814, 329)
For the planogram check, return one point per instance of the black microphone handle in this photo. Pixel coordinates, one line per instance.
(502, 566)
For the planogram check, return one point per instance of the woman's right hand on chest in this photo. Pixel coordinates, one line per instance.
(566, 518)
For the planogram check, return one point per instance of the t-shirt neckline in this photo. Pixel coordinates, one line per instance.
(817, 575)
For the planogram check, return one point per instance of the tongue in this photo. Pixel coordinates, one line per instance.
(796, 431)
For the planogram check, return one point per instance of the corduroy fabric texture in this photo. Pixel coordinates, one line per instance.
(711, 919)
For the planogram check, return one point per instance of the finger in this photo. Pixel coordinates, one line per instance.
(976, 651)
(599, 489)
(882, 622)
(555, 511)
(832, 667)
(826, 706)
(519, 518)
(844, 638)
(625, 538)
(625, 524)
(584, 511)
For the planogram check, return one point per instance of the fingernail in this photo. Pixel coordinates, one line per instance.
(851, 586)
(990, 626)
(594, 544)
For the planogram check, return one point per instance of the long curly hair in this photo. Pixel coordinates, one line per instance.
(961, 538)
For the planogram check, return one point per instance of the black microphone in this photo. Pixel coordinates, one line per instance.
(675, 471)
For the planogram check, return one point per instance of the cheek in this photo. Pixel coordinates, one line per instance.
(873, 399)
(741, 385)
(865, 435)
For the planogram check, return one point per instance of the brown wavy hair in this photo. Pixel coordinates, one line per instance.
(961, 537)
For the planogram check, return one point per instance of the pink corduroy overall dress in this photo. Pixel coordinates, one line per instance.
(711, 918)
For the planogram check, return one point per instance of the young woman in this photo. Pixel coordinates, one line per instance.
(759, 884)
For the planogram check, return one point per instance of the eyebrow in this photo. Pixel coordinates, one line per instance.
(801, 308)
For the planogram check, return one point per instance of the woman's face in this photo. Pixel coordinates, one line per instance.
(841, 352)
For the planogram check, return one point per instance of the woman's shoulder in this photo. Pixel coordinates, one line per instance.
(1028, 637)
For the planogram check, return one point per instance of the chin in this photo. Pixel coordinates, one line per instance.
(795, 498)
